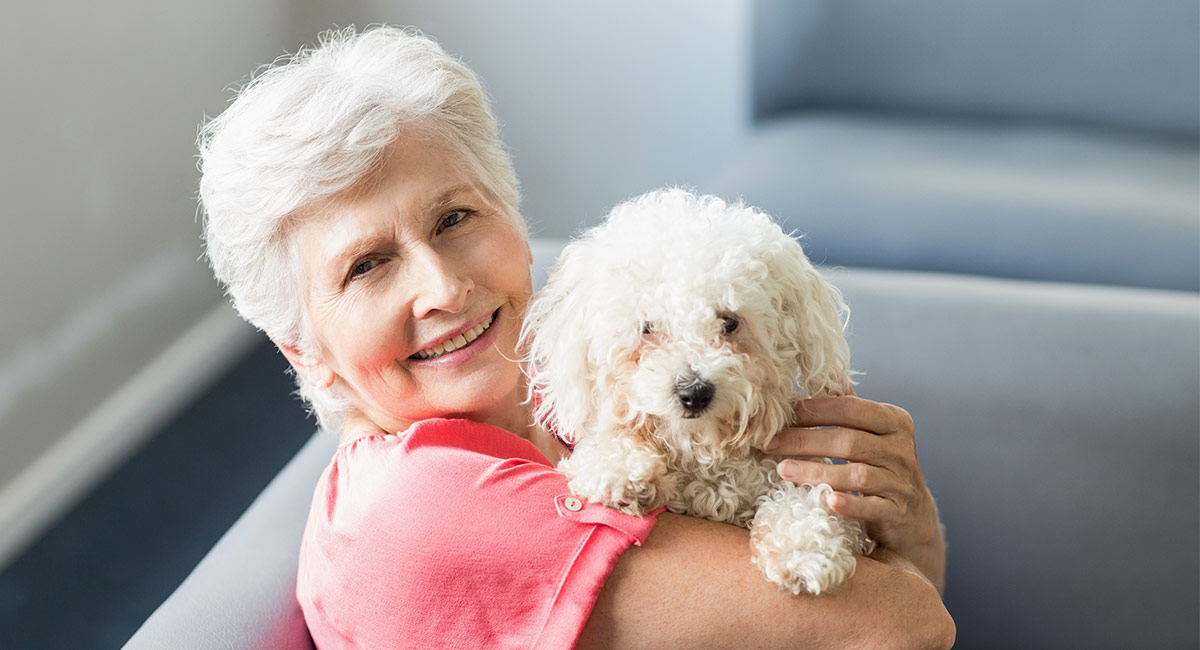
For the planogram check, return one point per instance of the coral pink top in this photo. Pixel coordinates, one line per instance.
(453, 534)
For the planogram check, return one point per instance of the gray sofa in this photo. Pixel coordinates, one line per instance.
(1009, 197)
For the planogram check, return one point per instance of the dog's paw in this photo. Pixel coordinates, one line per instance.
(618, 473)
(632, 497)
(800, 545)
(813, 571)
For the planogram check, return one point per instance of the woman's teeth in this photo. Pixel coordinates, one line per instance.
(460, 341)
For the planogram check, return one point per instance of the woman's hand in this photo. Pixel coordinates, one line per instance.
(879, 442)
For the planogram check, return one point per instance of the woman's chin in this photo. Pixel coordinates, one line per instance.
(483, 395)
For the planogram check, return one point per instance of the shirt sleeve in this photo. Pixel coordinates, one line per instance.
(453, 534)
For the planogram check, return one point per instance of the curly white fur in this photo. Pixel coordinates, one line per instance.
(670, 344)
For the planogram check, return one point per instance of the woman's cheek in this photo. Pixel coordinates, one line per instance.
(369, 335)
(381, 339)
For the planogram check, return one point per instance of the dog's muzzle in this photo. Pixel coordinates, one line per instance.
(695, 396)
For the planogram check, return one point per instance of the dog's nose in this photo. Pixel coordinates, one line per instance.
(695, 397)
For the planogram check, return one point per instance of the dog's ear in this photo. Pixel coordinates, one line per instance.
(555, 344)
(813, 317)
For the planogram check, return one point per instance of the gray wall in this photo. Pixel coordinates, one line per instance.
(98, 257)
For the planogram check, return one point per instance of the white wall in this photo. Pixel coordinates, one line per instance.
(99, 270)
(598, 100)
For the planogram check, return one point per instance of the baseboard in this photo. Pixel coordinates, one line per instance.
(110, 434)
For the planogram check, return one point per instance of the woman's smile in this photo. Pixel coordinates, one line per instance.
(460, 346)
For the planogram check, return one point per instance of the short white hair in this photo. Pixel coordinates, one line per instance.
(312, 127)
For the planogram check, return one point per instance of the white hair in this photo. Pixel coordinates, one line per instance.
(312, 127)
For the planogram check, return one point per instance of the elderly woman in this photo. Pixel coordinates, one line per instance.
(362, 212)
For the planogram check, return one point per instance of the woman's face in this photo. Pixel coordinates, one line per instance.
(416, 287)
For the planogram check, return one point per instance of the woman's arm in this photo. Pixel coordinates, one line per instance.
(692, 585)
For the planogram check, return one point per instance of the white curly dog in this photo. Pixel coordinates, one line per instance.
(669, 345)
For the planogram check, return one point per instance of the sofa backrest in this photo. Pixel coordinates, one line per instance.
(1124, 63)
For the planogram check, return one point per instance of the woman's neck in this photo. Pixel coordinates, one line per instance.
(511, 413)
(514, 413)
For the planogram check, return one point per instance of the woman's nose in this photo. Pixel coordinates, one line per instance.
(439, 284)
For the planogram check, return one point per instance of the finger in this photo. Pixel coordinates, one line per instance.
(878, 512)
(848, 477)
(853, 413)
(837, 442)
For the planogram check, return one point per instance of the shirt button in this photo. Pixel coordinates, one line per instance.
(573, 504)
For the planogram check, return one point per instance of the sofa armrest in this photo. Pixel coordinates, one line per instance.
(243, 593)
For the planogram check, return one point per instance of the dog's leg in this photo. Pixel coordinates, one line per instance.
(618, 472)
(800, 544)
(726, 491)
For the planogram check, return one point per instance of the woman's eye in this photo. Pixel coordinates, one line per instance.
(452, 219)
(729, 324)
(363, 267)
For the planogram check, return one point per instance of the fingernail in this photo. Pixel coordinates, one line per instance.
(786, 469)
(772, 445)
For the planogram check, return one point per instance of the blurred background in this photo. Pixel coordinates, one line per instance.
(115, 343)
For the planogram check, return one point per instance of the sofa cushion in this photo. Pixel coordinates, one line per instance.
(1017, 200)
(1126, 63)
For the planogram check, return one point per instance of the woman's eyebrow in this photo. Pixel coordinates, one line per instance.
(447, 198)
(345, 253)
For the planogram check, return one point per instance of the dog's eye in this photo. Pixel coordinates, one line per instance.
(647, 328)
(729, 324)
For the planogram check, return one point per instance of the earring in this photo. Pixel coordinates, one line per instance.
(322, 383)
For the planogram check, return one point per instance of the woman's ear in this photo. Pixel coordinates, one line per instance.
(309, 366)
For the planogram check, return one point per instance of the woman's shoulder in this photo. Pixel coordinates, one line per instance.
(434, 476)
(373, 474)
(437, 439)
(454, 522)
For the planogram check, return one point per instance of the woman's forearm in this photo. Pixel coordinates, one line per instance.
(692, 584)
(928, 554)
(929, 624)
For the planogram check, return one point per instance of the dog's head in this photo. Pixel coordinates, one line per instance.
(686, 321)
